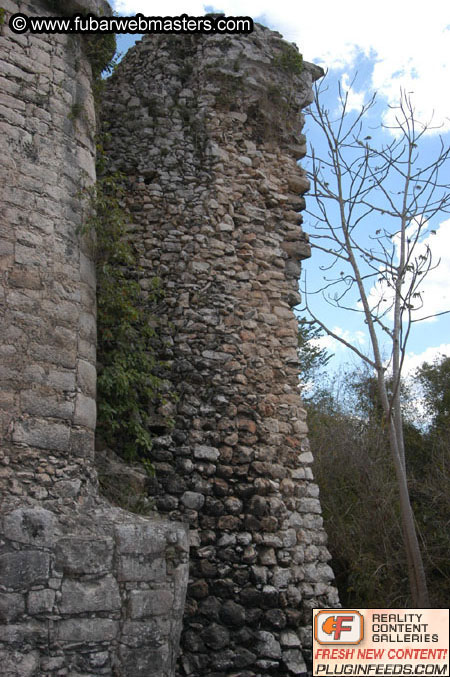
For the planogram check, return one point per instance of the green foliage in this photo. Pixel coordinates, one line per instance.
(230, 87)
(274, 93)
(100, 48)
(354, 474)
(101, 52)
(359, 496)
(363, 386)
(130, 379)
(435, 381)
(75, 111)
(312, 357)
(289, 60)
(2, 16)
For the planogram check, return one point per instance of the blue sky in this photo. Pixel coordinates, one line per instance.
(389, 48)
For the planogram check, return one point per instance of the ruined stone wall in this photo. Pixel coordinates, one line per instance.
(207, 130)
(85, 589)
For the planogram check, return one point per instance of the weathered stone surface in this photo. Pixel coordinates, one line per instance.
(133, 569)
(146, 662)
(232, 614)
(193, 500)
(40, 602)
(294, 662)
(148, 604)
(268, 645)
(83, 596)
(12, 606)
(35, 526)
(63, 604)
(77, 630)
(18, 570)
(19, 663)
(218, 163)
(216, 637)
(42, 434)
(76, 556)
(204, 452)
(213, 190)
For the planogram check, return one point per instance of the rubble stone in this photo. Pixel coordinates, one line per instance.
(213, 191)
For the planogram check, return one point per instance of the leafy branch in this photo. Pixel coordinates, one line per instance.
(130, 374)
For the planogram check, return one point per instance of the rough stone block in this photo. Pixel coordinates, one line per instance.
(35, 526)
(289, 639)
(20, 634)
(145, 662)
(40, 601)
(139, 569)
(82, 443)
(64, 380)
(19, 663)
(42, 434)
(268, 646)
(310, 505)
(19, 570)
(150, 603)
(37, 404)
(88, 326)
(206, 453)
(152, 632)
(67, 488)
(76, 556)
(81, 596)
(87, 377)
(143, 539)
(76, 630)
(12, 606)
(293, 660)
(85, 411)
(193, 500)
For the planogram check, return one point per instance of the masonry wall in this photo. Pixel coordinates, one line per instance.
(207, 130)
(85, 589)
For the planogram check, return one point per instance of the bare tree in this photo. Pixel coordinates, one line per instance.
(372, 211)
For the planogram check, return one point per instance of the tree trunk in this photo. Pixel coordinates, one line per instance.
(416, 571)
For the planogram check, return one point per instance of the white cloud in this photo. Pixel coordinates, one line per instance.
(410, 48)
(355, 100)
(436, 295)
(356, 338)
(415, 360)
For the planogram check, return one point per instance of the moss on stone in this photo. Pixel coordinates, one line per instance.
(289, 60)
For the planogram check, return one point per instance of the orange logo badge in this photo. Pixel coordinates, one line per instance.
(338, 626)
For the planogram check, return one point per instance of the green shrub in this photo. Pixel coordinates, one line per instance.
(289, 60)
(359, 495)
(130, 382)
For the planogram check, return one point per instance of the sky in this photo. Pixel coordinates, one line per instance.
(394, 47)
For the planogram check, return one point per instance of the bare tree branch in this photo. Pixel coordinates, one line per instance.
(372, 207)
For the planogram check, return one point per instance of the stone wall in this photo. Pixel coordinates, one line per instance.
(85, 589)
(207, 130)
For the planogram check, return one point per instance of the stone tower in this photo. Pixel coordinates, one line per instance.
(207, 130)
(85, 589)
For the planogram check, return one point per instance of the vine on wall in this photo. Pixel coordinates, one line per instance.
(130, 382)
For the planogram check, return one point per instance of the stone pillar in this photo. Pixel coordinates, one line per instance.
(79, 579)
(208, 131)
